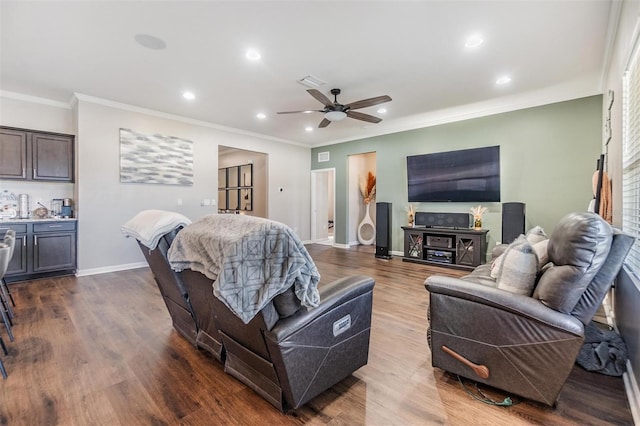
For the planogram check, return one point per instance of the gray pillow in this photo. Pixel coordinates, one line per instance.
(519, 268)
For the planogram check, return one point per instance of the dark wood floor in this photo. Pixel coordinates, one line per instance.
(100, 350)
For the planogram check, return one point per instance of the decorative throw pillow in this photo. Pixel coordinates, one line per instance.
(541, 251)
(519, 268)
(536, 234)
(496, 264)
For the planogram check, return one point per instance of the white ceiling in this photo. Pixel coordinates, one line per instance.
(412, 51)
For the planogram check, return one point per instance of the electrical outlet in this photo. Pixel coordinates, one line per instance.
(206, 202)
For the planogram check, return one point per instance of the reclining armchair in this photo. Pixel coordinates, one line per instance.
(527, 344)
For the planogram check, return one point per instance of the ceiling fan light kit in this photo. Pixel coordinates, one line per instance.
(335, 111)
(335, 115)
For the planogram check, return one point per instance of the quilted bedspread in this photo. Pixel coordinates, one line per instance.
(250, 259)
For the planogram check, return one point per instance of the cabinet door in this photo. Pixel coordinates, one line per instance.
(467, 251)
(13, 154)
(413, 244)
(52, 157)
(18, 263)
(54, 251)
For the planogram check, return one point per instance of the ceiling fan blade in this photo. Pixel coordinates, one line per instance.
(368, 102)
(364, 117)
(324, 123)
(304, 111)
(320, 97)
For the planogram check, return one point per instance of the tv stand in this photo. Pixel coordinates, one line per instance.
(461, 248)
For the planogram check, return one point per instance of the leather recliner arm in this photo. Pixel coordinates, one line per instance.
(524, 306)
(332, 294)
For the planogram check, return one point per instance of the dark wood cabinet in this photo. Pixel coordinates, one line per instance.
(52, 157)
(18, 263)
(456, 248)
(54, 251)
(13, 154)
(42, 248)
(33, 155)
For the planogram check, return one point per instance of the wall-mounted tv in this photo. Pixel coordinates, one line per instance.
(469, 175)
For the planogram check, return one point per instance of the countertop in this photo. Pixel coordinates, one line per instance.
(33, 219)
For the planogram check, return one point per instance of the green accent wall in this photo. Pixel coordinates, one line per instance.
(548, 156)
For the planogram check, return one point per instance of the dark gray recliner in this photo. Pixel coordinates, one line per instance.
(287, 353)
(527, 345)
(199, 331)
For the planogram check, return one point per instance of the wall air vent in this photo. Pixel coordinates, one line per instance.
(311, 81)
(323, 157)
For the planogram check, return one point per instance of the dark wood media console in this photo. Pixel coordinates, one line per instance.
(451, 247)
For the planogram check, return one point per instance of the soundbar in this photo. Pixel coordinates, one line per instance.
(444, 220)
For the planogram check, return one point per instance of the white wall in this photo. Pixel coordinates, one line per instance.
(104, 203)
(620, 55)
(627, 289)
(36, 116)
(52, 117)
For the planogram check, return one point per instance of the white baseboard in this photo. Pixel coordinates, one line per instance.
(397, 253)
(342, 246)
(633, 393)
(107, 269)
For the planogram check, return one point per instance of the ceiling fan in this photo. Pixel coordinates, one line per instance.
(334, 111)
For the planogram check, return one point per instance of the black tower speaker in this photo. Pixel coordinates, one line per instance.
(383, 230)
(512, 221)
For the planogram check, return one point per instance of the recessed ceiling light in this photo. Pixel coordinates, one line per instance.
(150, 42)
(382, 110)
(188, 95)
(308, 129)
(473, 41)
(503, 80)
(261, 115)
(253, 55)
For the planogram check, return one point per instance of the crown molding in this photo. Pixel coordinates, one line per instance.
(182, 119)
(34, 99)
(475, 110)
(615, 12)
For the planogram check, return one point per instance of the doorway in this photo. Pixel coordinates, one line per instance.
(323, 206)
(251, 186)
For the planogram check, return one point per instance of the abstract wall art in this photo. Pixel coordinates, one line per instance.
(158, 159)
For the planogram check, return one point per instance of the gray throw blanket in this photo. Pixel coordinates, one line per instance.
(251, 260)
(603, 351)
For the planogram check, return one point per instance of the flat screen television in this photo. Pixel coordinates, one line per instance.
(469, 175)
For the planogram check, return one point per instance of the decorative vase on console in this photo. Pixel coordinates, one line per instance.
(367, 229)
(477, 216)
(411, 215)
